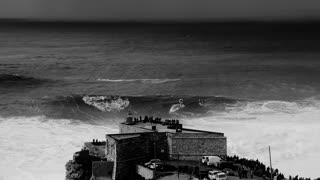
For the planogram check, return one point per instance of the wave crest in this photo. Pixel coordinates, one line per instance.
(152, 81)
(107, 103)
(281, 106)
(271, 107)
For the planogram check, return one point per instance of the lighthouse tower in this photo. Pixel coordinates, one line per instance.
(129, 118)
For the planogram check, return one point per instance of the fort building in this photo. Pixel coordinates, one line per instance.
(141, 140)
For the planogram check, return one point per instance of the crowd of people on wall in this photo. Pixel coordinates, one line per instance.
(156, 120)
(300, 178)
(97, 142)
(147, 119)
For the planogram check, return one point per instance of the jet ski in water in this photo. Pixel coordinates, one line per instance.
(177, 107)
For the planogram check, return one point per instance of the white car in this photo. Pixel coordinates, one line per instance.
(212, 174)
(221, 176)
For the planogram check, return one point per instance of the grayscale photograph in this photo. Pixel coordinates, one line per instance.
(159, 89)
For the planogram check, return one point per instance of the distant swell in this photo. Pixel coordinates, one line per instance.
(152, 81)
(18, 80)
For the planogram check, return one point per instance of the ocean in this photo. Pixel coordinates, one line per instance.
(64, 84)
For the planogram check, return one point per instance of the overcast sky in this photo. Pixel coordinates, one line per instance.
(160, 9)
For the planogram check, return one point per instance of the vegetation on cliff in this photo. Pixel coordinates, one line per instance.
(258, 168)
(80, 168)
(261, 170)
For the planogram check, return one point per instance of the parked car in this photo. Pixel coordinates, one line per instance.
(221, 176)
(154, 163)
(212, 174)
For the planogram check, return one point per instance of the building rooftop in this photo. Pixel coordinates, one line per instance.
(159, 127)
(162, 127)
(98, 149)
(124, 136)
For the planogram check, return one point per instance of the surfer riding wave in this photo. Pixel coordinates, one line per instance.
(177, 107)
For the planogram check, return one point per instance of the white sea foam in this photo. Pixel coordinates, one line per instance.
(37, 148)
(292, 130)
(107, 104)
(152, 81)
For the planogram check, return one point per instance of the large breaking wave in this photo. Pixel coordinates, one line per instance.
(82, 106)
(97, 107)
(107, 103)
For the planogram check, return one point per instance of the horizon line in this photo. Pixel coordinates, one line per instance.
(162, 21)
